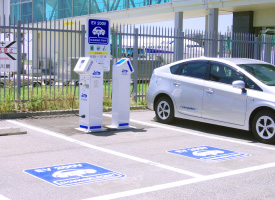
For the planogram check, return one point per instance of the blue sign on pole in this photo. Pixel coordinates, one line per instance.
(98, 41)
(207, 153)
(98, 31)
(73, 174)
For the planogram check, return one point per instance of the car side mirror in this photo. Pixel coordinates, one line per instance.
(240, 85)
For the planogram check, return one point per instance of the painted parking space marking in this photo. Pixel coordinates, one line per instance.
(197, 179)
(73, 174)
(171, 128)
(175, 184)
(3, 197)
(209, 154)
(123, 155)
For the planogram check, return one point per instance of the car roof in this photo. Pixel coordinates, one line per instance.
(239, 61)
(230, 61)
(235, 61)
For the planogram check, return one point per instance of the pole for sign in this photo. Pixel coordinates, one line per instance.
(82, 41)
(18, 60)
(135, 63)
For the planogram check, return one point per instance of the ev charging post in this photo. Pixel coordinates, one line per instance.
(90, 70)
(90, 95)
(121, 82)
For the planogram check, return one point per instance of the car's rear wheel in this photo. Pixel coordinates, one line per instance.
(263, 126)
(164, 110)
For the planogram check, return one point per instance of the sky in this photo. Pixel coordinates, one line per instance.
(225, 21)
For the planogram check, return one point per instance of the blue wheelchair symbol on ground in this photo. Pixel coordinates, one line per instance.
(73, 174)
(206, 153)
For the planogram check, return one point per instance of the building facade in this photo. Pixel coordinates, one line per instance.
(45, 10)
(255, 16)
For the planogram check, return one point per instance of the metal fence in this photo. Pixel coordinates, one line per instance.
(50, 50)
(47, 55)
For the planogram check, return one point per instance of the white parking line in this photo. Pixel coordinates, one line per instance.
(181, 183)
(60, 136)
(168, 127)
(3, 197)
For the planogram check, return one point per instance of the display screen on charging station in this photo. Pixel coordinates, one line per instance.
(98, 41)
(123, 61)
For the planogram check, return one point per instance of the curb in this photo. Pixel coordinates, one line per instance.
(33, 114)
(55, 112)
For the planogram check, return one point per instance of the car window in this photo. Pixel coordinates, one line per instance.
(224, 74)
(175, 68)
(263, 72)
(194, 69)
(251, 85)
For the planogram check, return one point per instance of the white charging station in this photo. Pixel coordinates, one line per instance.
(90, 94)
(121, 82)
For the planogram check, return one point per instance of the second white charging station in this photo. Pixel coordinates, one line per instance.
(90, 95)
(121, 82)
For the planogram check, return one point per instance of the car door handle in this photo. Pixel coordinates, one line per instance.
(176, 83)
(209, 91)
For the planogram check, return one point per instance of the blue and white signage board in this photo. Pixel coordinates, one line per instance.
(8, 56)
(121, 78)
(98, 41)
(207, 153)
(73, 174)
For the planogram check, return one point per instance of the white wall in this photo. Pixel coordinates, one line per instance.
(264, 18)
(4, 11)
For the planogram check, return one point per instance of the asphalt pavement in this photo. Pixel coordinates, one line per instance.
(50, 159)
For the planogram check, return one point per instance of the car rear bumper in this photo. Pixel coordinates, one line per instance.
(150, 101)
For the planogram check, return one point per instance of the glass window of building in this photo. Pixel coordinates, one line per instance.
(159, 1)
(42, 10)
(98, 6)
(64, 9)
(50, 7)
(137, 3)
(38, 10)
(26, 12)
(117, 5)
(15, 13)
(81, 7)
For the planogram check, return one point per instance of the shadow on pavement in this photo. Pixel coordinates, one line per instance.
(214, 129)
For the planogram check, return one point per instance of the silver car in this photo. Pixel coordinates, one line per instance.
(232, 92)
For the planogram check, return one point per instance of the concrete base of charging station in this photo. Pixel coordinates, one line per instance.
(4, 131)
(91, 131)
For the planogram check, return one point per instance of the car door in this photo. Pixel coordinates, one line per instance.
(223, 102)
(187, 87)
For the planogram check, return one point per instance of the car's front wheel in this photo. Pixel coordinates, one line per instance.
(164, 110)
(263, 126)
